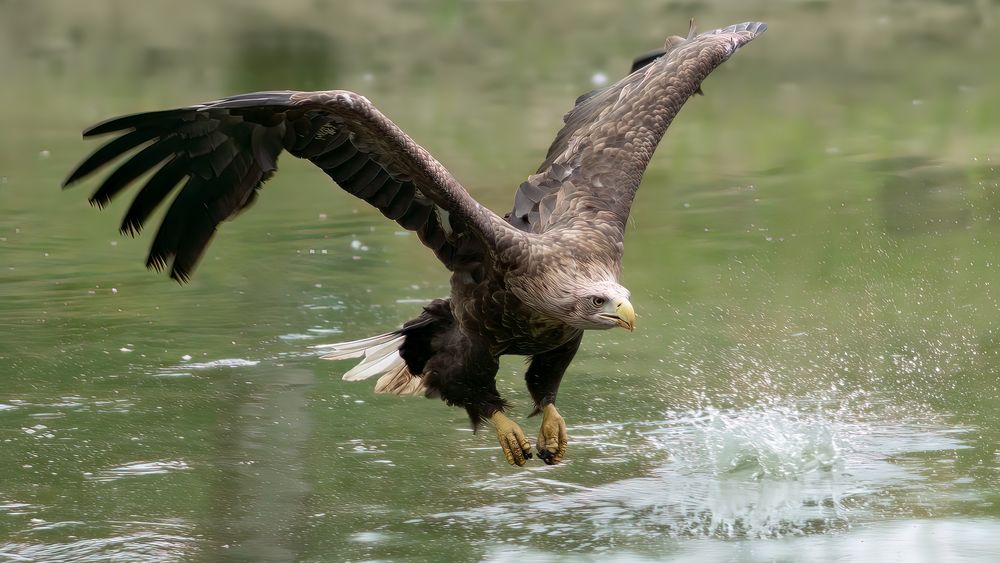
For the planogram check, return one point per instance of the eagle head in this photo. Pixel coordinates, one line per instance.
(603, 305)
(591, 305)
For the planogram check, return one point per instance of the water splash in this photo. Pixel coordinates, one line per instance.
(766, 471)
(781, 442)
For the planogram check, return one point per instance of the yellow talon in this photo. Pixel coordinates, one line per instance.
(515, 445)
(552, 437)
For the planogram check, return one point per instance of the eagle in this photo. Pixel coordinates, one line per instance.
(527, 283)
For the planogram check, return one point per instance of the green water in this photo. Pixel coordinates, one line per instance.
(813, 258)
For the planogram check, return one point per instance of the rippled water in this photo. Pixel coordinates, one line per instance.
(812, 257)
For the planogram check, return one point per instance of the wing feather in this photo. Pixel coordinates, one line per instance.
(595, 164)
(112, 150)
(228, 148)
(153, 193)
(146, 159)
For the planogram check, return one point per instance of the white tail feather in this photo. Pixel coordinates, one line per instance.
(380, 356)
(369, 367)
(356, 348)
(400, 382)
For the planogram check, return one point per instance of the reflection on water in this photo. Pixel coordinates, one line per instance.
(919, 541)
(139, 468)
(812, 254)
(773, 471)
(129, 541)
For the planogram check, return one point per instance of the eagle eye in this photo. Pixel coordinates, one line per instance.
(597, 301)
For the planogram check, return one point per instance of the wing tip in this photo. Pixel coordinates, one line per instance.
(753, 28)
(109, 126)
(156, 262)
(130, 227)
(73, 178)
(83, 170)
(99, 202)
(756, 28)
(180, 276)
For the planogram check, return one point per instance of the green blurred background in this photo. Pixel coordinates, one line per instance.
(812, 255)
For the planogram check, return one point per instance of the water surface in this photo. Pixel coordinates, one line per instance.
(812, 256)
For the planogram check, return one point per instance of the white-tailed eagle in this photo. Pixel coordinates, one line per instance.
(527, 283)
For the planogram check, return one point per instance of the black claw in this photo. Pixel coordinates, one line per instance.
(547, 457)
(527, 454)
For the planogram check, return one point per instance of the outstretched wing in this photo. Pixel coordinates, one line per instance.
(594, 166)
(226, 149)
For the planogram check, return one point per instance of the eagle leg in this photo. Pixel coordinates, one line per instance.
(552, 436)
(543, 378)
(515, 444)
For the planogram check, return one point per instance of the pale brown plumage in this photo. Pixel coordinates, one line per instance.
(528, 283)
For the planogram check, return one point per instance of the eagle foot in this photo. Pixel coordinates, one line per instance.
(552, 436)
(516, 447)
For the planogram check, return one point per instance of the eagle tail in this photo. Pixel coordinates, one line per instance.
(380, 356)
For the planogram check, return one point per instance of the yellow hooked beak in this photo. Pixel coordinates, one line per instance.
(625, 313)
